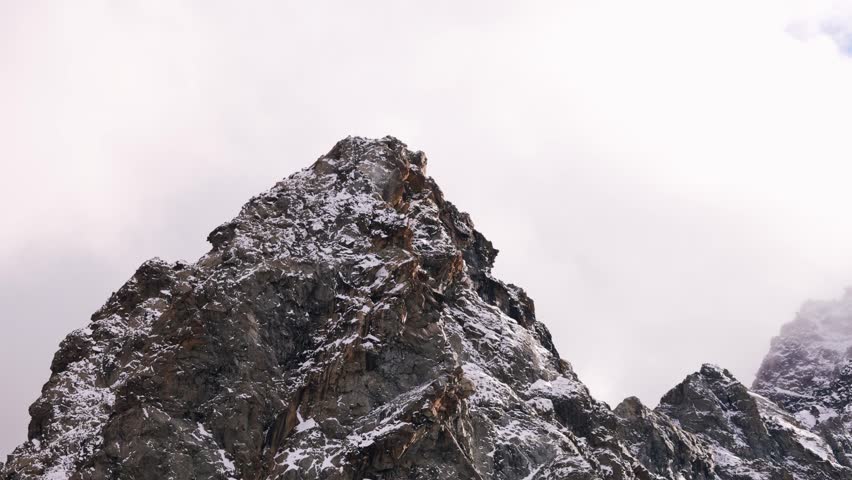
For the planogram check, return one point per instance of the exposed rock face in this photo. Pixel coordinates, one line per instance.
(711, 426)
(346, 325)
(808, 371)
(741, 434)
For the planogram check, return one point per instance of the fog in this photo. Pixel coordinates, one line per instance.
(668, 180)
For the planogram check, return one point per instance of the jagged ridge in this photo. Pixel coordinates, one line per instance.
(346, 325)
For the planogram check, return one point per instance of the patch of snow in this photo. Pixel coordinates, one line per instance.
(306, 425)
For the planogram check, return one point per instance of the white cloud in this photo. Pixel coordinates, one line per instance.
(825, 19)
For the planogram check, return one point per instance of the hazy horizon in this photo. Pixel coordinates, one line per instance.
(668, 181)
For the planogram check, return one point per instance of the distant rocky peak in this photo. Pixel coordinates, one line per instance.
(710, 381)
(810, 357)
(710, 426)
(808, 371)
(712, 397)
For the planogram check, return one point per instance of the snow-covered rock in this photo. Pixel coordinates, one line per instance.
(712, 426)
(808, 371)
(346, 326)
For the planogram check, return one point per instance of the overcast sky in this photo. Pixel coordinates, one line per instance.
(669, 180)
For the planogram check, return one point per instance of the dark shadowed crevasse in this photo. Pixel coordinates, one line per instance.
(346, 325)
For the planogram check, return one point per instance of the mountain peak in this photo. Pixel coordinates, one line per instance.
(714, 371)
(355, 149)
(808, 371)
(346, 325)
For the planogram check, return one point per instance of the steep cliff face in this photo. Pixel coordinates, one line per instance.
(808, 371)
(346, 325)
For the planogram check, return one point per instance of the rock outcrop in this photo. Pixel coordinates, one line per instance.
(808, 371)
(711, 426)
(346, 326)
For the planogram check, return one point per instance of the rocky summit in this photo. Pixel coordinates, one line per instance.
(808, 372)
(346, 326)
